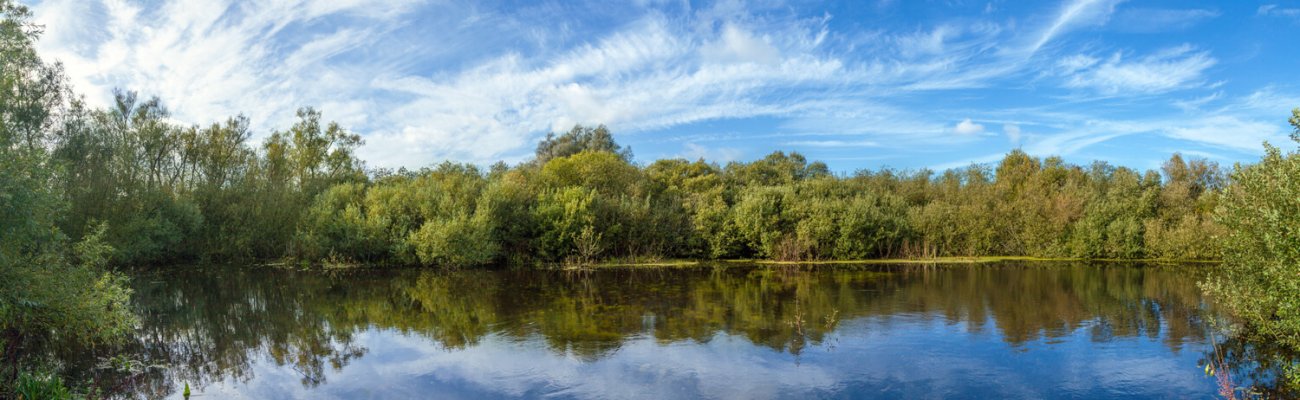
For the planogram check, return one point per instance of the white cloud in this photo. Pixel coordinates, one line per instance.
(1266, 102)
(1074, 14)
(643, 77)
(215, 59)
(1229, 132)
(833, 143)
(1274, 10)
(968, 127)
(926, 43)
(476, 84)
(1076, 63)
(1233, 133)
(694, 151)
(1013, 132)
(739, 45)
(1085, 135)
(1194, 104)
(1148, 20)
(210, 59)
(1170, 69)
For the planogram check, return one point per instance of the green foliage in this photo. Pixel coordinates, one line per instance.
(52, 292)
(577, 140)
(448, 216)
(595, 204)
(567, 224)
(604, 172)
(1260, 276)
(336, 226)
(1295, 122)
(56, 298)
(777, 168)
(172, 193)
(762, 221)
(84, 188)
(869, 227)
(705, 198)
(44, 386)
(461, 241)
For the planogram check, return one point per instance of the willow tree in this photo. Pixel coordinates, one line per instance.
(51, 290)
(1260, 275)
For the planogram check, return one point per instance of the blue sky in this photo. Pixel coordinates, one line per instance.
(861, 84)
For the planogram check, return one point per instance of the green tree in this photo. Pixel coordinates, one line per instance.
(577, 140)
(762, 220)
(52, 291)
(1260, 275)
(567, 221)
(461, 241)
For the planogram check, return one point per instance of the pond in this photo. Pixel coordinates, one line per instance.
(1007, 330)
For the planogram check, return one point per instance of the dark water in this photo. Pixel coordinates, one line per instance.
(980, 332)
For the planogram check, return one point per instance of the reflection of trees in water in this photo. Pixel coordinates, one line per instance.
(1036, 302)
(210, 325)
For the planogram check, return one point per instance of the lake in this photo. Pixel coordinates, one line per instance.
(1003, 330)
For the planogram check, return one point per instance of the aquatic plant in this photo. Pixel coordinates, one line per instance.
(41, 386)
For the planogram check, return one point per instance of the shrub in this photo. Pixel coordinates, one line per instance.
(1260, 275)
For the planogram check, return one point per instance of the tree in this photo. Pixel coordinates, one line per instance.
(577, 140)
(1260, 275)
(297, 165)
(1260, 213)
(568, 221)
(1295, 123)
(51, 290)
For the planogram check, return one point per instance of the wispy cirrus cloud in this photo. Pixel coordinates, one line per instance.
(1074, 14)
(1169, 69)
(425, 81)
(1013, 133)
(1275, 10)
(833, 143)
(651, 74)
(216, 58)
(1151, 20)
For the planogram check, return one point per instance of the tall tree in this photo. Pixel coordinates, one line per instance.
(51, 291)
(1260, 275)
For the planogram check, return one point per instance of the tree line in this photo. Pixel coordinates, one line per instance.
(165, 193)
(582, 199)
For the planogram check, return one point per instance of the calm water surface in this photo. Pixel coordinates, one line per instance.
(985, 331)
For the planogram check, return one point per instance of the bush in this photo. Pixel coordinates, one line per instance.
(568, 218)
(761, 221)
(461, 241)
(40, 386)
(337, 225)
(1260, 275)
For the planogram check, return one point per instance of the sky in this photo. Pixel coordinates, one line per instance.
(857, 84)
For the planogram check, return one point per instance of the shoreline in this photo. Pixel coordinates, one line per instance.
(695, 263)
(876, 261)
